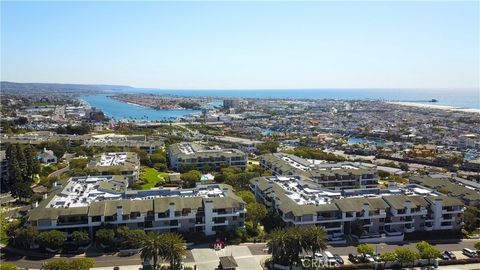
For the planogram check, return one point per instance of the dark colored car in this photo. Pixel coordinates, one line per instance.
(338, 258)
(448, 255)
(353, 258)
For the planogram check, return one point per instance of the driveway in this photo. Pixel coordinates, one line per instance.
(207, 258)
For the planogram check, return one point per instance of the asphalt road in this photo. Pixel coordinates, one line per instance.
(255, 249)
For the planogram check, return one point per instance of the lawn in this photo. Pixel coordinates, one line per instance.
(151, 177)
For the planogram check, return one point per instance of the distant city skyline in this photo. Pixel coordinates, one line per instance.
(247, 45)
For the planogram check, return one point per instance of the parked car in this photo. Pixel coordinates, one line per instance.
(319, 256)
(469, 252)
(338, 258)
(353, 258)
(448, 255)
(368, 259)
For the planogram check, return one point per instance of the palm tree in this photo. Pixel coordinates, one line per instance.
(172, 249)
(276, 245)
(151, 248)
(314, 239)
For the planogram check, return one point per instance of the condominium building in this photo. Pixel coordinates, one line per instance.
(385, 214)
(188, 154)
(231, 103)
(246, 145)
(341, 175)
(467, 191)
(126, 164)
(125, 143)
(88, 202)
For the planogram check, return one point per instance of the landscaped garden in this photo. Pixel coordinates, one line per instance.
(150, 178)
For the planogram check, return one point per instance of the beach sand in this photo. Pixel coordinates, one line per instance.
(435, 106)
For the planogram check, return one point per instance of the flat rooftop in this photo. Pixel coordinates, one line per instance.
(190, 149)
(112, 159)
(304, 191)
(83, 191)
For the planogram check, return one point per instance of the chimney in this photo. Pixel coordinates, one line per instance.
(45, 196)
(119, 213)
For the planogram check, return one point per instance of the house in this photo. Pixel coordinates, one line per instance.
(47, 157)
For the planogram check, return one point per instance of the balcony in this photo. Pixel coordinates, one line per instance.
(224, 223)
(452, 211)
(227, 213)
(397, 222)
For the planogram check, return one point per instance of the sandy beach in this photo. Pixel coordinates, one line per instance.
(435, 106)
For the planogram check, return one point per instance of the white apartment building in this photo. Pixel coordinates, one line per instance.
(186, 154)
(341, 175)
(87, 202)
(126, 164)
(385, 214)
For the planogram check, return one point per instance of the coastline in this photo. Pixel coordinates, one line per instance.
(435, 106)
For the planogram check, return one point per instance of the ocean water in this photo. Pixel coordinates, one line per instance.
(468, 98)
(124, 111)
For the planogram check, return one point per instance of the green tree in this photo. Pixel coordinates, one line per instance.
(25, 237)
(158, 157)
(470, 218)
(277, 245)
(190, 177)
(388, 257)
(70, 264)
(268, 147)
(314, 239)
(131, 238)
(51, 239)
(173, 249)
(151, 248)
(161, 167)
(427, 251)
(477, 245)
(78, 163)
(22, 162)
(168, 246)
(272, 221)
(80, 238)
(247, 196)
(32, 164)
(356, 228)
(105, 236)
(406, 256)
(256, 212)
(365, 249)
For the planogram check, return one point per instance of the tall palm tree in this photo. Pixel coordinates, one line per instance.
(172, 249)
(276, 245)
(151, 248)
(315, 239)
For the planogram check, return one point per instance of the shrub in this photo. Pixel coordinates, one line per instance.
(51, 239)
(24, 237)
(62, 264)
(8, 266)
(80, 238)
(105, 236)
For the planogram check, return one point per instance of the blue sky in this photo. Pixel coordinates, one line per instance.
(227, 45)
